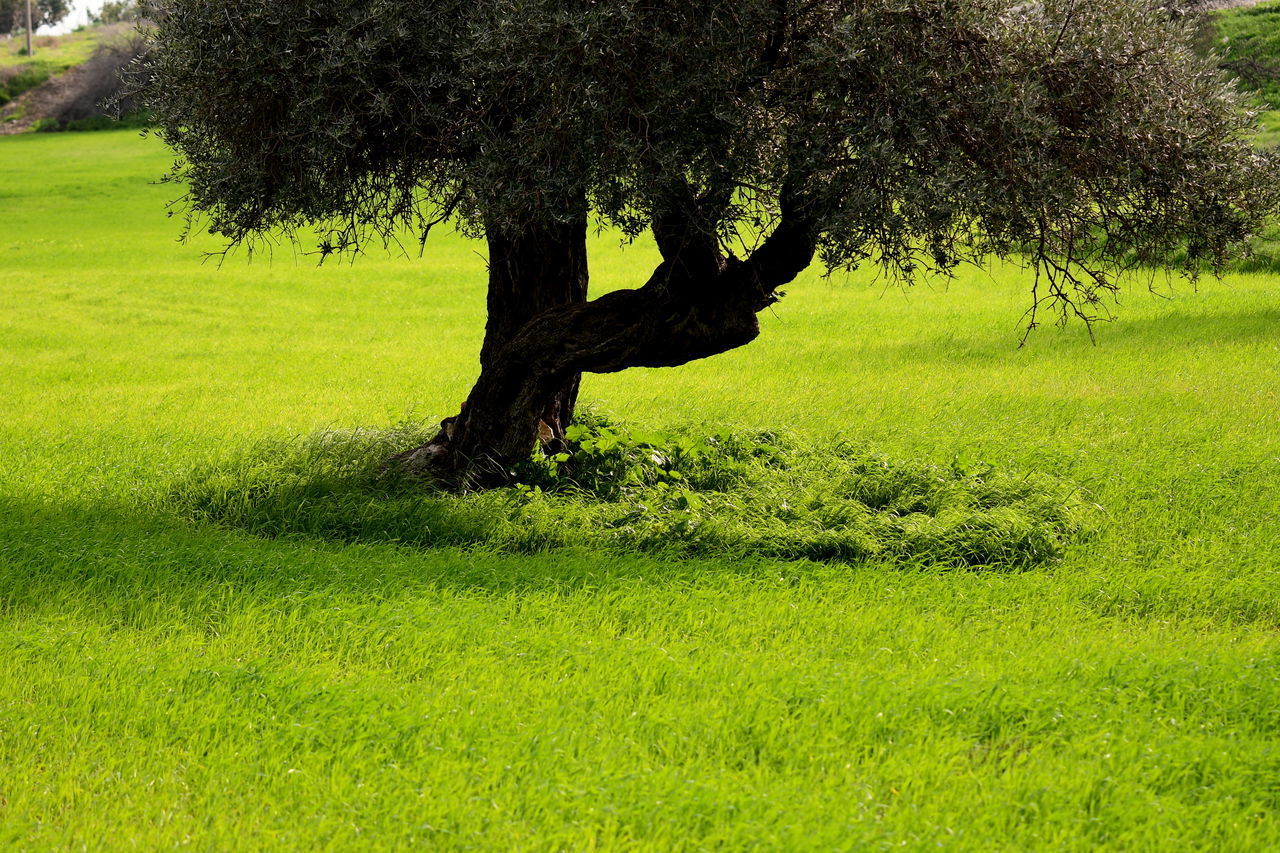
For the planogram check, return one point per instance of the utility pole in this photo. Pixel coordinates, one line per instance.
(28, 27)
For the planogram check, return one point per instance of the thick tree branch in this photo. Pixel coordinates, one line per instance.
(789, 248)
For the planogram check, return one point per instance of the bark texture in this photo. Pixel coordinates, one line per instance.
(532, 272)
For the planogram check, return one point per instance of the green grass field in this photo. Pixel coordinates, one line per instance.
(168, 683)
(1248, 39)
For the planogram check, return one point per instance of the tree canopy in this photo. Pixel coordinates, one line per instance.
(928, 130)
(118, 12)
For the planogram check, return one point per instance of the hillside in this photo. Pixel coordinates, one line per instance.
(1248, 38)
(63, 72)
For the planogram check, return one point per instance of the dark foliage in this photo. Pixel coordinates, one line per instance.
(907, 133)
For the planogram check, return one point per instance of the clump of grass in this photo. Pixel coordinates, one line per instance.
(22, 82)
(683, 493)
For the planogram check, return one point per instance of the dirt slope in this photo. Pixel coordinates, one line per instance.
(40, 102)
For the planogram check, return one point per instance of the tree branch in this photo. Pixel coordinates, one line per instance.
(685, 232)
(789, 248)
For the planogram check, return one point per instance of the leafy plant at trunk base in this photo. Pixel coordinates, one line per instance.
(680, 493)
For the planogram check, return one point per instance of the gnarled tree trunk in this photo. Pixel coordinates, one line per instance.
(543, 335)
(531, 271)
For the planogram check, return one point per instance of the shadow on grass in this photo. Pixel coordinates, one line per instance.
(309, 521)
(101, 554)
(681, 495)
(1197, 325)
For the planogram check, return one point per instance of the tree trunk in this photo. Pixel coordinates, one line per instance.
(646, 327)
(530, 272)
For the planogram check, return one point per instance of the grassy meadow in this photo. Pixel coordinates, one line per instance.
(171, 682)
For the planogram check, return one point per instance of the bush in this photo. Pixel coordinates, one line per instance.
(680, 494)
(137, 120)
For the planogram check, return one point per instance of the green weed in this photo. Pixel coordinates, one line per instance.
(22, 82)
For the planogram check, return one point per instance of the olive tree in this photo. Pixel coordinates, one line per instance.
(749, 138)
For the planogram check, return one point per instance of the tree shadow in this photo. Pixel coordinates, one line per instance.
(313, 517)
(1195, 327)
(120, 563)
(682, 494)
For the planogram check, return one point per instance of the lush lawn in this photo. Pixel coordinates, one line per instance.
(167, 683)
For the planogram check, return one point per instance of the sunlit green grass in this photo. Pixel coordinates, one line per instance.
(167, 682)
(1247, 39)
(60, 51)
(1269, 123)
